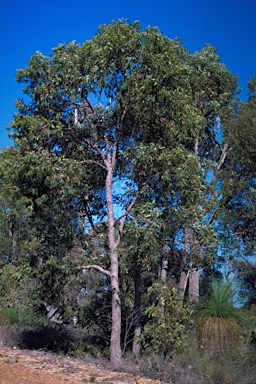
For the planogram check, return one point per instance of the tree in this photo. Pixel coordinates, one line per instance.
(214, 91)
(130, 107)
(92, 105)
(239, 195)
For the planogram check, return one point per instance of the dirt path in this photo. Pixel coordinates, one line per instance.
(39, 367)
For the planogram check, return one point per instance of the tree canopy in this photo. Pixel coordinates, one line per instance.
(132, 159)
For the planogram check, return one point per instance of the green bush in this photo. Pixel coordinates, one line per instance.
(18, 314)
(167, 318)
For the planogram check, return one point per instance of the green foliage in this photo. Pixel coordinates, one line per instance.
(239, 188)
(77, 348)
(168, 318)
(14, 284)
(19, 314)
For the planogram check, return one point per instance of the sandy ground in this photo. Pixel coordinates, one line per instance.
(40, 367)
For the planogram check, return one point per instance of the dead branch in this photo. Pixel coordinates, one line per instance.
(97, 267)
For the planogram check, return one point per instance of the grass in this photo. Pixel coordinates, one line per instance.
(219, 323)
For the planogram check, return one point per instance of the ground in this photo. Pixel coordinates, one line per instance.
(41, 367)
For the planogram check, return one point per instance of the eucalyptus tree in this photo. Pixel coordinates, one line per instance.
(180, 168)
(239, 186)
(214, 91)
(98, 109)
(239, 194)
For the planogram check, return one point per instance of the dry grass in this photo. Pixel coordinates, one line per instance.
(218, 335)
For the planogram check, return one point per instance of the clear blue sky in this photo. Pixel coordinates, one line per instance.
(27, 26)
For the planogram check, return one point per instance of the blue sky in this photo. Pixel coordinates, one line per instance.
(28, 26)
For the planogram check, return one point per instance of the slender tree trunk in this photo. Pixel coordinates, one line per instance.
(163, 273)
(115, 342)
(193, 292)
(137, 310)
(183, 284)
(163, 270)
(164, 262)
(184, 275)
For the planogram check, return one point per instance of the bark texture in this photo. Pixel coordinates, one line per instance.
(115, 343)
(137, 311)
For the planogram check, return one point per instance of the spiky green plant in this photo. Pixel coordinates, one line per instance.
(219, 322)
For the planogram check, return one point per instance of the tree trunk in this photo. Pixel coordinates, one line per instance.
(137, 311)
(183, 284)
(184, 275)
(193, 292)
(115, 342)
(164, 262)
(163, 273)
(163, 270)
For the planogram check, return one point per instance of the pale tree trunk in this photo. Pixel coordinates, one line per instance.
(193, 287)
(164, 262)
(109, 156)
(189, 279)
(184, 275)
(163, 273)
(193, 291)
(183, 284)
(163, 270)
(115, 342)
(137, 310)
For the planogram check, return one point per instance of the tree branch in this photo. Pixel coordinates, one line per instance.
(96, 148)
(123, 218)
(221, 161)
(92, 162)
(97, 267)
(223, 156)
(120, 127)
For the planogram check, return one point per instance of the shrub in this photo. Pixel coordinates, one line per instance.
(164, 331)
(219, 322)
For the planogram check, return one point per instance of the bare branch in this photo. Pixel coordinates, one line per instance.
(92, 162)
(123, 218)
(90, 107)
(96, 148)
(223, 156)
(97, 267)
(222, 159)
(107, 158)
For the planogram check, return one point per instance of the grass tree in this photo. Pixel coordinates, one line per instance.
(219, 322)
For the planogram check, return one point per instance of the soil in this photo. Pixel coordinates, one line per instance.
(41, 367)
